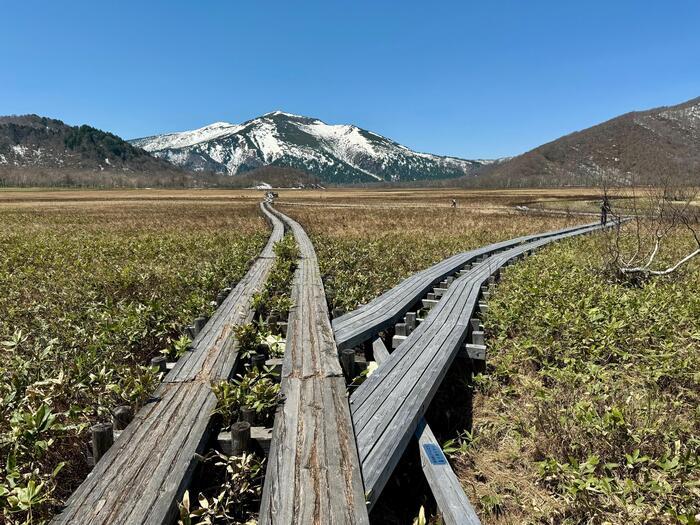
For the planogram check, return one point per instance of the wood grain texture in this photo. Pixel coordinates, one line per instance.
(214, 352)
(367, 321)
(145, 473)
(313, 472)
(388, 406)
(444, 484)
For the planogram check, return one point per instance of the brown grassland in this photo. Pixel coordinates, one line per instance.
(92, 285)
(588, 410)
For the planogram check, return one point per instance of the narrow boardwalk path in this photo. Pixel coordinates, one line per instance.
(444, 484)
(313, 472)
(143, 475)
(367, 321)
(388, 406)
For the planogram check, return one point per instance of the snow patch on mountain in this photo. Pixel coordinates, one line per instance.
(266, 139)
(190, 138)
(20, 150)
(334, 152)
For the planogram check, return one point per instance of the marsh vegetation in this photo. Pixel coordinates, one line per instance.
(587, 412)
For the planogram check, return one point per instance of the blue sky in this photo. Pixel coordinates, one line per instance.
(472, 79)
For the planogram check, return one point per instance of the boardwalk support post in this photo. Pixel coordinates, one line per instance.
(401, 329)
(411, 321)
(160, 363)
(220, 298)
(240, 436)
(102, 439)
(122, 416)
(475, 324)
(248, 415)
(199, 324)
(347, 361)
(258, 361)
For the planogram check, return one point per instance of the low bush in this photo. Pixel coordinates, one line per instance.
(589, 410)
(90, 292)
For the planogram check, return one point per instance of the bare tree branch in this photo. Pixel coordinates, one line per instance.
(658, 213)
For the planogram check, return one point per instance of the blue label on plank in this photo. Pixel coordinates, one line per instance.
(434, 454)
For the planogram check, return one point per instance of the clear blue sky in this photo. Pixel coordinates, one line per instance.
(473, 79)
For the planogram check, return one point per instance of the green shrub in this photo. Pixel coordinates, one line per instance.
(89, 295)
(592, 390)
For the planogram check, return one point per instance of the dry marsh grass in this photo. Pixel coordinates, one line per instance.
(92, 287)
(366, 247)
(588, 413)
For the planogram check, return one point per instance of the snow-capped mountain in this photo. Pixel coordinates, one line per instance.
(335, 153)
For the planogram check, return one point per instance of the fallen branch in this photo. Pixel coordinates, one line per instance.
(646, 270)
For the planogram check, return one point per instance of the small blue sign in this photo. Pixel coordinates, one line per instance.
(434, 454)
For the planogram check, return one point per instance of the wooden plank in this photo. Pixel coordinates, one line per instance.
(145, 473)
(214, 352)
(367, 321)
(141, 477)
(313, 472)
(388, 406)
(444, 484)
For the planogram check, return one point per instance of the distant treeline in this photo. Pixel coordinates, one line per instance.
(292, 178)
(108, 179)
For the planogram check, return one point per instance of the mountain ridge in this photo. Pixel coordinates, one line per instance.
(35, 142)
(638, 147)
(337, 153)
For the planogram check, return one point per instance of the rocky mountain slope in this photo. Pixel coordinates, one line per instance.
(32, 142)
(334, 153)
(642, 147)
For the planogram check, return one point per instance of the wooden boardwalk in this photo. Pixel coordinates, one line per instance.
(388, 407)
(367, 321)
(145, 473)
(313, 473)
(444, 484)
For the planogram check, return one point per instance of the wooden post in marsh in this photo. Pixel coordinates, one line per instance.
(337, 312)
(240, 436)
(102, 439)
(122, 416)
(475, 323)
(347, 360)
(220, 298)
(249, 415)
(411, 321)
(258, 361)
(160, 363)
(199, 324)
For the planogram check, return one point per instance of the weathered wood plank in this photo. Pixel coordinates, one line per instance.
(388, 406)
(367, 321)
(148, 468)
(444, 484)
(313, 473)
